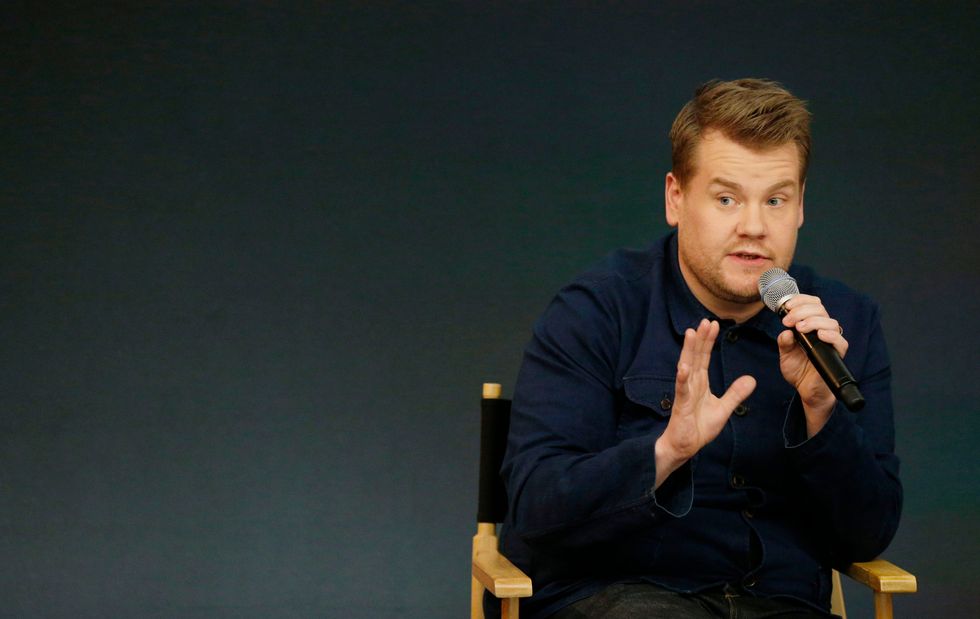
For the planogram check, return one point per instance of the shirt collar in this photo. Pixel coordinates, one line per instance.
(686, 311)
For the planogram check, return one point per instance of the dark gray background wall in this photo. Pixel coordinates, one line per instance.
(257, 259)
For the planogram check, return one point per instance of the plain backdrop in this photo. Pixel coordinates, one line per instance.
(256, 259)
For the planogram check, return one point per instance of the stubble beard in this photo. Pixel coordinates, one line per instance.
(715, 282)
(712, 277)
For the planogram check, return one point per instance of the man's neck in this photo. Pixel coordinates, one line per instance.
(739, 312)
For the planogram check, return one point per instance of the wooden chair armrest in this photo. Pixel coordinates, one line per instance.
(500, 577)
(882, 576)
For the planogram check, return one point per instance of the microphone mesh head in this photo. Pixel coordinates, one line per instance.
(776, 287)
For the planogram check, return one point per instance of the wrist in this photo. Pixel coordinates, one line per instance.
(666, 460)
(816, 416)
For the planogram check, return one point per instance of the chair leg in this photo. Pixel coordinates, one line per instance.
(509, 608)
(476, 599)
(883, 605)
(837, 595)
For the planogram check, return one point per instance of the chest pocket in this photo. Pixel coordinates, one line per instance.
(646, 405)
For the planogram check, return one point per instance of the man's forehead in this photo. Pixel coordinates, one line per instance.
(728, 183)
(715, 139)
(730, 160)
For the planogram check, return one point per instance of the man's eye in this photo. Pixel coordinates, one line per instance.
(726, 201)
(776, 201)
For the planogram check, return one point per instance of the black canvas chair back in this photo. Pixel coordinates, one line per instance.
(494, 425)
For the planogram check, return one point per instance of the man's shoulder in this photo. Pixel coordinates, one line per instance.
(624, 269)
(602, 313)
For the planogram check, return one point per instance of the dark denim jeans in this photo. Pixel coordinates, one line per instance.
(647, 601)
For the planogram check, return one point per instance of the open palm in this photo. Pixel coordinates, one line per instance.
(697, 416)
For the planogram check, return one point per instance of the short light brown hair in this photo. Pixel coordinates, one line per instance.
(755, 113)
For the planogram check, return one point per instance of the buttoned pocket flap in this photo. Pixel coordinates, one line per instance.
(650, 393)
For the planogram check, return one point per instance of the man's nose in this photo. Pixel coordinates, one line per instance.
(752, 221)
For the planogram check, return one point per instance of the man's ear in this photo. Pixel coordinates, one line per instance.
(673, 196)
(799, 224)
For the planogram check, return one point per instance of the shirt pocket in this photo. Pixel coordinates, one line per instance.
(647, 404)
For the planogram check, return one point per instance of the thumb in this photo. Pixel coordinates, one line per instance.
(739, 390)
(786, 342)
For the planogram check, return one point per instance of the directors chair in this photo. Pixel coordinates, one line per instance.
(491, 571)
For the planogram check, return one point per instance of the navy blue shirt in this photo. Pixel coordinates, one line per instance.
(761, 507)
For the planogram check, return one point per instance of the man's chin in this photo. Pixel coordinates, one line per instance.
(746, 299)
(744, 293)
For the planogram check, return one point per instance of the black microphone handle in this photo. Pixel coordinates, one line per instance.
(831, 367)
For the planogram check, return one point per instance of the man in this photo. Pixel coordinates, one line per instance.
(673, 453)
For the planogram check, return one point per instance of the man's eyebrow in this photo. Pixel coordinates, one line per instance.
(725, 183)
(781, 185)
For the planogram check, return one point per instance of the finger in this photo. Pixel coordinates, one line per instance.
(696, 358)
(687, 350)
(804, 312)
(786, 342)
(835, 338)
(737, 392)
(815, 323)
(681, 383)
(707, 342)
(801, 306)
(802, 299)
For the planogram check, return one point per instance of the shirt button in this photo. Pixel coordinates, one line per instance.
(748, 513)
(737, 481)
(666, 404)
(749, 582)
(731, 336)
(741, 410)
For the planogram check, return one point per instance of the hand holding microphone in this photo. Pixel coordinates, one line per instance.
(777, 288)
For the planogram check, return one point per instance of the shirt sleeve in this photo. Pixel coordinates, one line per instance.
(849, 468)
(572, 481)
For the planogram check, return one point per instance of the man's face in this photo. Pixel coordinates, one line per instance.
(736, 217)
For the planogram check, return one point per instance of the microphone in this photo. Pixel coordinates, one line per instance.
(776, 288)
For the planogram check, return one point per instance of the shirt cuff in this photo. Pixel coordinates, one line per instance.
(675, 496)
(794, 429)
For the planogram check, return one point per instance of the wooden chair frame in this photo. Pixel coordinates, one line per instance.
(494, 573)
(882, 577)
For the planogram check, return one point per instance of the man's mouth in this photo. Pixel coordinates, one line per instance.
(747, 256)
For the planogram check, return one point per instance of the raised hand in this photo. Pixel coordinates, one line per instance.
(697, 416)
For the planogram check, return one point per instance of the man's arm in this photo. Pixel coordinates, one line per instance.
(846, 461)
(572, 479)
